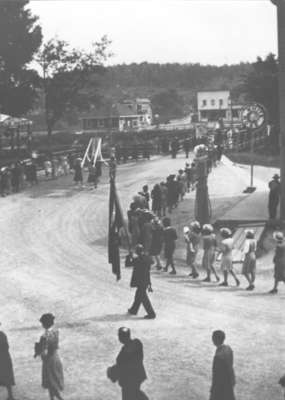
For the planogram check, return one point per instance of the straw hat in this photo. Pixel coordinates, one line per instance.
(195, 225)
(249, 233)
(278, 236)
(186, 230)
(208, 228)
(226, 231)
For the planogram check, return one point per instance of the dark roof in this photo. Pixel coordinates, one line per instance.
(117, 110)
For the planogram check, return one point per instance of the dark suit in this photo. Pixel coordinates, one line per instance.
(141, 280)
(274, 196)
(223, 379)
(130, 370)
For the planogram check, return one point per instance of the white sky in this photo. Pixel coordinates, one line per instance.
(206, 31)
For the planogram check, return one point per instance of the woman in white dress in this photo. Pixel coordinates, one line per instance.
(226, 248)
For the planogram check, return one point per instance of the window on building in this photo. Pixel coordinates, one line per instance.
(204, 103)
(212, 102)
(221, 102)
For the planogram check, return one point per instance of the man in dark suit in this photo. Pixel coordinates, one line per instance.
(223, 379)
(274, 196)
(129, 369)
(141, 280)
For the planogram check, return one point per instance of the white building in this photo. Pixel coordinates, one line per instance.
(216, 105)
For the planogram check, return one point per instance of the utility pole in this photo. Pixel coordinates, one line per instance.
(280, 5)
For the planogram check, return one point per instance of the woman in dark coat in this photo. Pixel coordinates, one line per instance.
(156, 200)
(6, 367)
(156, 241)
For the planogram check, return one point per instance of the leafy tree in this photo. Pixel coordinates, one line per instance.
(261, 85)
(168, 104)
(66, 75)
(20, 38)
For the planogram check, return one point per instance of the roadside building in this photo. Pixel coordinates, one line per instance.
(122, 117)
(217, 105)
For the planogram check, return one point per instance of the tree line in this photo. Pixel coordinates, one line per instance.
(65, 81)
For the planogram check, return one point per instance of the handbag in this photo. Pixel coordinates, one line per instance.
(129, 260)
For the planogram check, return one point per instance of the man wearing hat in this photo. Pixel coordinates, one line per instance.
(141, 281)
(274, 196)
(129, 370)
(279, 261)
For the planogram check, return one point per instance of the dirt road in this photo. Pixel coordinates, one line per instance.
(53, 259)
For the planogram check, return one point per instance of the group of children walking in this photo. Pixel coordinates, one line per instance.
(196, 236)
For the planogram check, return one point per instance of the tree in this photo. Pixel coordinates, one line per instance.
(168, 104)
(261, 85)
(66, 75)
(20, 38)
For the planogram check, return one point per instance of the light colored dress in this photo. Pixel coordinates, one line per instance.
(52, 371)
(192, 240)
(227, 257)
(249, 263)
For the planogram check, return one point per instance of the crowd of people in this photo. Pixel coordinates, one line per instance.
(16, 176)
(149, 225)
(128, 371)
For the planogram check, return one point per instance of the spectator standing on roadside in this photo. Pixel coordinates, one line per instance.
(78, 178)
(6, 367)
(274, 196)
(186, 146)
(223, 376)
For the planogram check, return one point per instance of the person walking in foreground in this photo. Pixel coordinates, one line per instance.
(141, 281)
(249, 263)
(170, 236)
(52, 372)
(6, 367)
(209, 246)
(279, 261)
(227, 245)
(192, 240)
(223, 376)
(129, 370)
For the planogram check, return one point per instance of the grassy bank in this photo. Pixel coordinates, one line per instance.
(264, 160)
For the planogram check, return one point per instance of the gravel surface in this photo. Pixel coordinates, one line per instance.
(53, 259)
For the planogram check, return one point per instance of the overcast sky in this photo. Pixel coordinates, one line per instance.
(205, 31)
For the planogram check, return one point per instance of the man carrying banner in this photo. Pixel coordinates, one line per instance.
(141, 280)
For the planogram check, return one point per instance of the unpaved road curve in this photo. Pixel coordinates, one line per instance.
(53, 259)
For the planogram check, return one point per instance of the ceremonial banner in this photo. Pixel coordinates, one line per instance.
(115, 224)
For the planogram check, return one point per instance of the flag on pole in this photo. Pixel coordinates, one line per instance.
(115, 224)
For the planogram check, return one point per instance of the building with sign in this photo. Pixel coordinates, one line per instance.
(125, 116)
(217, 105)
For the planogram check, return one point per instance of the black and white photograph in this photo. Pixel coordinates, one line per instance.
(142, 199)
